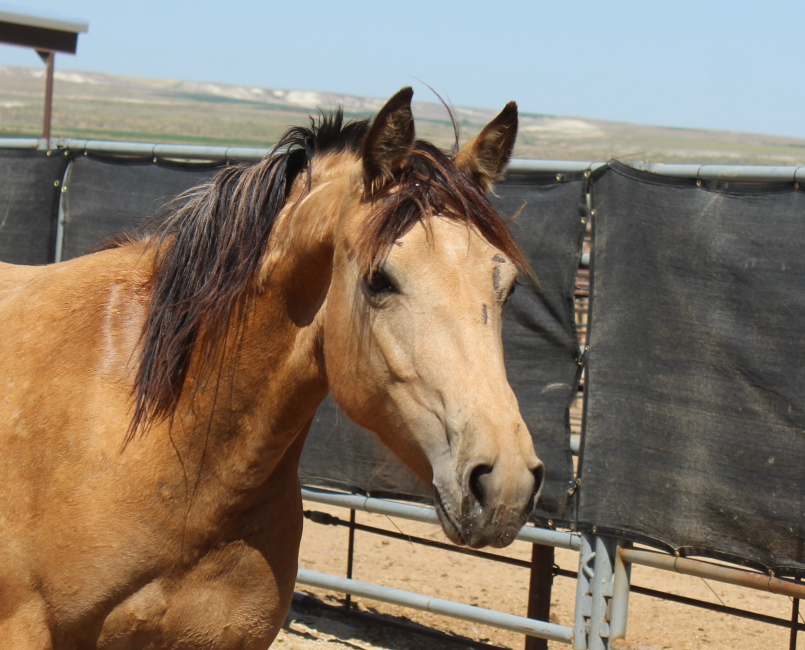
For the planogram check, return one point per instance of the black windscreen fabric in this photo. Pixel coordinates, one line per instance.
(107, 196)
(695, 418)
(541, 357)
(30, 182)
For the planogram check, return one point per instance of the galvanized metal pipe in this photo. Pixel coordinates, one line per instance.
(739, 577)
(22, 143)
(753, 173)
(619, 608)
(60, 219)
(520, 624)
(602, 590)
(583, 593)
(427, 515)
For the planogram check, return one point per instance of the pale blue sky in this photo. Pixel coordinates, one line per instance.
(721, 65)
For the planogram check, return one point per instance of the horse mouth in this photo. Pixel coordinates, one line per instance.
(450, 526)
(471, 528)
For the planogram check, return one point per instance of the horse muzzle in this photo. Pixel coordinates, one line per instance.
(491, 506)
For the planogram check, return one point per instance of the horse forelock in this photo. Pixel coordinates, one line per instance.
(429, 184)
(210, 244)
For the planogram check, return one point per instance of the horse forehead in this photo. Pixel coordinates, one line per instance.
(446, 242)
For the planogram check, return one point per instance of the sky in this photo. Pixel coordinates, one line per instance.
(733, 66)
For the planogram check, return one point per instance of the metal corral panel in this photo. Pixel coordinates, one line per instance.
(695, 428)
(30, 184)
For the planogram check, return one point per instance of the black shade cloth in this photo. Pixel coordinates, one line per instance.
(695, 424)
(108, 196)
(541, 357)
(30, 182)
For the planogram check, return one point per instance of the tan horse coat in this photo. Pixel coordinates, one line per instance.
(188, 536)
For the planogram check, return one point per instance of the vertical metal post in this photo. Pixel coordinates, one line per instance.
(49, 58)
(792, 640)
(584, 597)
(602, 590)
(350, 552)
(620, 594)
(539, 591)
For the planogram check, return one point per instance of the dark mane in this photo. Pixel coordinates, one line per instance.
(209, 247)
(208, 250)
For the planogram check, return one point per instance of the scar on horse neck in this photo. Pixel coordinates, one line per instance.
(486, 314)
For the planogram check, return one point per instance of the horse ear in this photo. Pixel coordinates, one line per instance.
(389, 141)
(485, 156)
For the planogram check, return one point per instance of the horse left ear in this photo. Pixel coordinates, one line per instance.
(485, 156)
(389, 141)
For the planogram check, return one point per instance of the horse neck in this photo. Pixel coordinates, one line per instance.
(272, 376)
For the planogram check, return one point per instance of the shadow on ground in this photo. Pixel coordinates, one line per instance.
(312, 623)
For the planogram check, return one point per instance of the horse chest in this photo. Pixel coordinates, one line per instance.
(235, 597)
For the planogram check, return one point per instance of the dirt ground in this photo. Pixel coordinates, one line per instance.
(412, 567)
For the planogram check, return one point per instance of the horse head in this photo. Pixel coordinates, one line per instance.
(422, 268)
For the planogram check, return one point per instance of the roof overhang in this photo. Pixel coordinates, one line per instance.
(40, 31)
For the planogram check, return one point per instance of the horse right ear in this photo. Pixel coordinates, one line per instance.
(389, 141)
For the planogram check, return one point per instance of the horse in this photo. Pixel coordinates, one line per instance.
(157, 393)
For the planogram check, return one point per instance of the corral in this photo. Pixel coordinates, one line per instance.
(691, 440)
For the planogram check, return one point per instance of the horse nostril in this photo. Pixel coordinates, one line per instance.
(476, 487)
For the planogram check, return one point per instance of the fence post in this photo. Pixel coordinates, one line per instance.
(350, 553)
(620, 596)
(602, 590)
(584, 597)
(539, 591)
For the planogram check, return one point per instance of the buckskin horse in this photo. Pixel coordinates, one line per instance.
(156, 395)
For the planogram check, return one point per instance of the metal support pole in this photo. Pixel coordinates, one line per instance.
(539, 591)
(350, 554)
(620, 595)
(584, 598)
(602, 591)
(48, 57)
(792, 641)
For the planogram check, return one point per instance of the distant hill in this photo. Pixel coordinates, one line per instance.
(101, 106)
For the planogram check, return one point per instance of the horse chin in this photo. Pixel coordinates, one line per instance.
(472, 528)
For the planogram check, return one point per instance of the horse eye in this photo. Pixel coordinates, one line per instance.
(378, 282)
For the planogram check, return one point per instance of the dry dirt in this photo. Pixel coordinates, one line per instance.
(412, 567)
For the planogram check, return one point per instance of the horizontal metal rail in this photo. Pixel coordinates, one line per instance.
(742, 578)
(423, 514)
(716, 607)
(307, 601)
(326, 519)
(748, 173)
(510, 622)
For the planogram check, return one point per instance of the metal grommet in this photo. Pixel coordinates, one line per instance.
(64, 189)
(550, 523)
(676, 552)
(559, 177)
(771, 573)
(572, 526)
(49, 152)
(592, 212)
(699, 183)
(56, 183)
(66, 153)
(86, 153)
(155, 159)
(595, 529)
(587, 174)
(584, 219)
